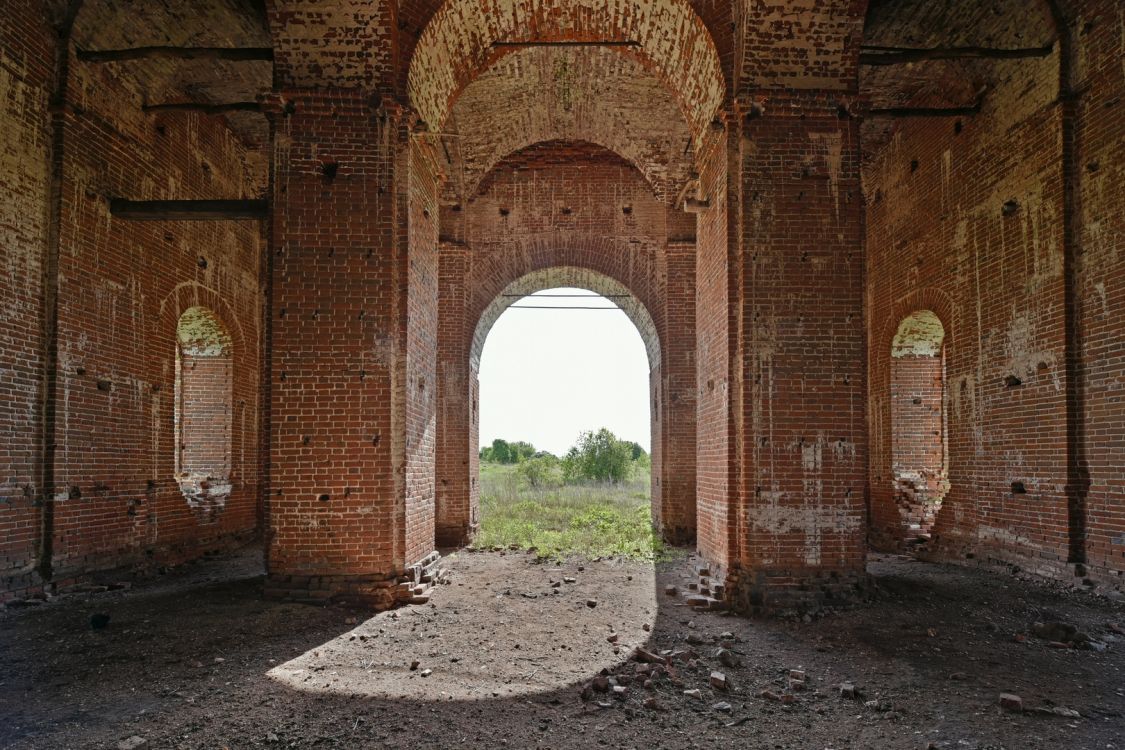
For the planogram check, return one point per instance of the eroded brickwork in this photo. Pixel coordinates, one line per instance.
(421, 157)
(550, 214)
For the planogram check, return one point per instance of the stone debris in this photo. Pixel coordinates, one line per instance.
(719, 681)
(136, 742)
(1011, 702)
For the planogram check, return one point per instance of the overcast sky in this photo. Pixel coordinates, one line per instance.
(547, 375)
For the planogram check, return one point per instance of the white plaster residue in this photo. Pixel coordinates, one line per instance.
(1004, 537)
(832, 145)
(774, 518)
(1024, 360)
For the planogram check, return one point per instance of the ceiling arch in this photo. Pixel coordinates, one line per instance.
(572, 94)
(465, 37)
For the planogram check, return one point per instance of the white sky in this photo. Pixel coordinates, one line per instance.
(547, 375)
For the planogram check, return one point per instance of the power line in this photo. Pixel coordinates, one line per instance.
(559, 307)
(568, 296)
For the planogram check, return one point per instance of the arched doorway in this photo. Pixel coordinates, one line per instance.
(919, 423)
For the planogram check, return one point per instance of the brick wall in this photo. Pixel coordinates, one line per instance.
(798, 398)
(354, 330)
(917, 439)
(26, 80)
(602, 216)
(940, 238)
(121, 287)
(1096, 31)
(205, 414)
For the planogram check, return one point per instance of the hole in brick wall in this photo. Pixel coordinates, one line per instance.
(504, 212)
(627, 210)
(1010, 207)
(456, 207)
(74, 493)
(919, 425)
(375, 440)
(80, 371)
(203, 406)
(324, 497)
(958, 126)
(913, 165)
(1093, 166)
(202, 262)
(1018, 488)
(566, 212)
(329, 169)
(105, 385)
(1012, 381)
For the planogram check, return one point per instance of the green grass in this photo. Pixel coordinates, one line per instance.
(589, 520)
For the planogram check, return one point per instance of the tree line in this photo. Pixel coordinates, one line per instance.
(597, 456)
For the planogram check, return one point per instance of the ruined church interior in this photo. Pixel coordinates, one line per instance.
(252, 251)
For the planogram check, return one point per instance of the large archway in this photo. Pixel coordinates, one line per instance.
(606, 231)
(529, 284)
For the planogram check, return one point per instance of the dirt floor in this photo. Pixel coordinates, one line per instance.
(508, 654)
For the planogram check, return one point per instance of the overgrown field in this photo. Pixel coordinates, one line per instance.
(591, 520)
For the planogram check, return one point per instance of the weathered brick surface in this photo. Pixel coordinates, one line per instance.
(121, 287)
(941, 238)
(417, 171)
(354, 331)
(603, 229)
(1097, 31)
(799, 387)
(26, 81)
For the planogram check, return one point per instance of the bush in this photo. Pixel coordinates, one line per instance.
(540, 471)
(598, 457)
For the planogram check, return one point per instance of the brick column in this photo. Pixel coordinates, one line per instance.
(350, 503)
(455, 519)
(798, 360)
(674, 420)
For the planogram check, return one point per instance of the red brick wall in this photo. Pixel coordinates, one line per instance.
(121, 286)
(601, 216)
(26, 73)
(354, 330)
(1097, 35)
(715, 508)
(421, 348)
(916, 422)
(205, 414)
(799, 395)
(939, 238)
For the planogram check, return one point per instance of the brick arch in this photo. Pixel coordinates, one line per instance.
(189, 294)
(594, 260)
(183, 297)
(887, 527)
(457, 44)
(587, 94)
(568, 276)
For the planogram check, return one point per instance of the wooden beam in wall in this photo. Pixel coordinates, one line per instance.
(207, 109)
(872, 55)
(201, 210)
(234, 54)
(925, 111)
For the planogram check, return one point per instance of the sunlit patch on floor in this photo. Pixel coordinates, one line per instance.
(497, 630)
